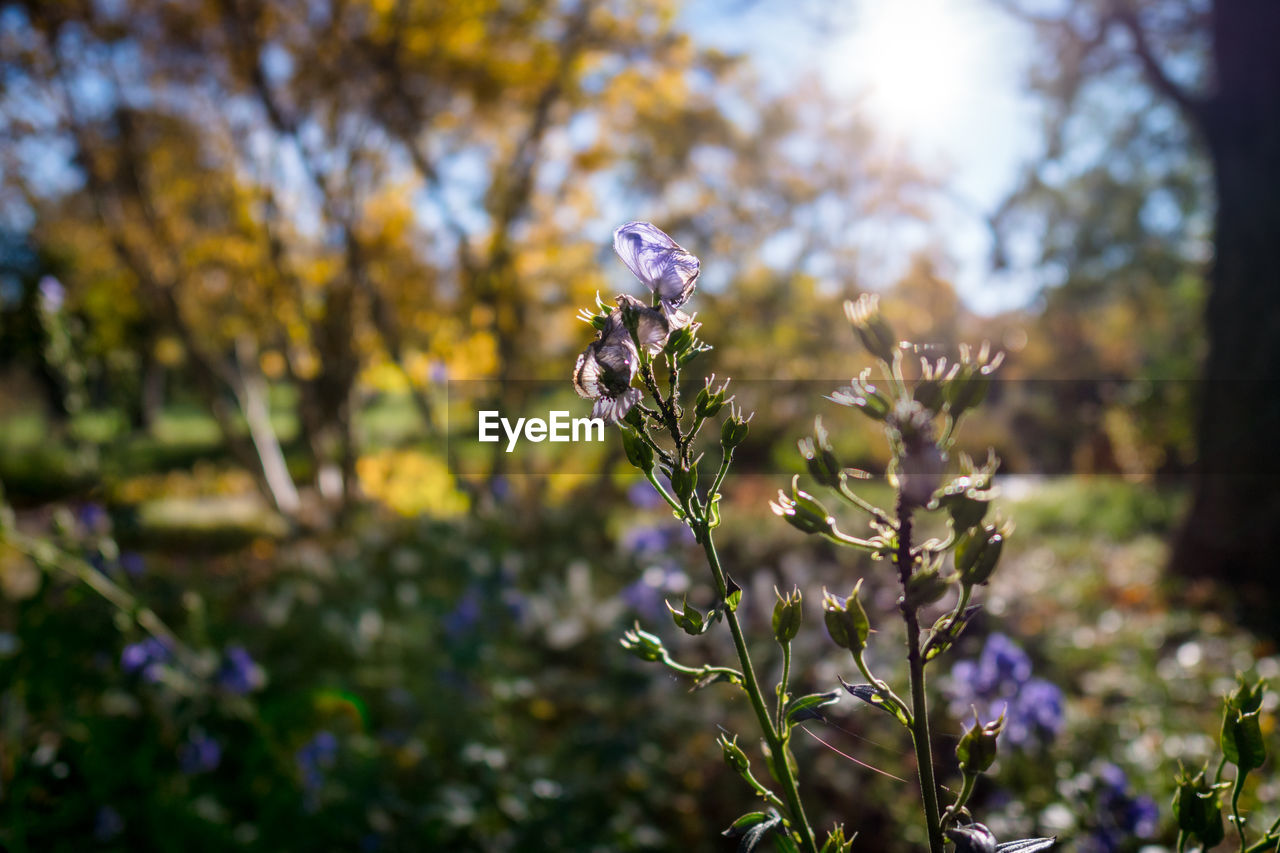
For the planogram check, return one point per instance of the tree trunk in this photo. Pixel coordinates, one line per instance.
(1236, 487)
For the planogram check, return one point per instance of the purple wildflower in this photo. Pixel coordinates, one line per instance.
(200, 754)
(239, 673)
(147, 657)
(1000, 681)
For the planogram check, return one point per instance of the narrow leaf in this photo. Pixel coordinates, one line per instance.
(1027, 845)
(806, 707)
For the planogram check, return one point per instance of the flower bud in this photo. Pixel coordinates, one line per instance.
(689, 619)
(966, 385)
(684, 481)
(928, 393)
(862, 395)
(1198, 810)
(976, 750)
(733, 754)
(973, 838)
(925, 587)
(786, 616)
(642, 644)
(977, 553)
(734, 431)
(819, 457)
(803, 511)
(846, 620)
(710, 400)
(1241, 738)
(638, 452)
(870, 326)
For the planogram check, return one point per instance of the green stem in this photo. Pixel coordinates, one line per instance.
(1237, 788)
(886, 691)
(966, 791)
(775, 739)
(782, 684)
(919, 703)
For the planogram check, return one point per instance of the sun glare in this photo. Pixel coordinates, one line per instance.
(916, 61)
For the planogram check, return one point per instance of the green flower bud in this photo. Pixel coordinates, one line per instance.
(925, 587)
(870, 326)
(710, 400)
(689, 619)
(639, 453)
(1241, 737)
(786, 616)
(733, 754)
(684, 481)
(862, 395)
(966, 386)
(1198, 810)
(819, 457)
(846, 619)
(977, 552)
(928, 393)
(803, 511)
(977, 748)
(734, 431)
(642, 644)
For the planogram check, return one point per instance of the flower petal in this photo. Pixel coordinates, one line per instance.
(658, 261)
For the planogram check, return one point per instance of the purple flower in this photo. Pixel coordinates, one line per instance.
(465, 614)
(147, 657)
(132, 563)
(107, 824)
(314, 757)
(52, 294)
(661, 264)
(200, 754)
(604, 372)
(239, 673)
(1117, 817)
(642, 496)
(1000, 681)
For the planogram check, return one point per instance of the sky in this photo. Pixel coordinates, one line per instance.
(942, 79)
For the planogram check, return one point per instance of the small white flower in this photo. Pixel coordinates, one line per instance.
(664, 267)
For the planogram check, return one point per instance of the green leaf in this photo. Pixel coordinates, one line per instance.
(787, 845)
(806, 707)
(733, 594)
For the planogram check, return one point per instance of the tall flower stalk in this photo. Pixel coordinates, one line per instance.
(632, 372)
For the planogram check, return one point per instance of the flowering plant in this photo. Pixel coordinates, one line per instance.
(920, 416)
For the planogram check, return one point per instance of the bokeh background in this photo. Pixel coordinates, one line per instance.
(259, 591)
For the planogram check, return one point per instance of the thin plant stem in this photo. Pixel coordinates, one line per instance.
(782, 683)
(774, 738)
(919, 703)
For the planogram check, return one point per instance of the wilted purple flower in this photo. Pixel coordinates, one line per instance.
(658, 261)
(652, 326)
(146, 657)
(200, 754)
(604, 373)
(239, 673)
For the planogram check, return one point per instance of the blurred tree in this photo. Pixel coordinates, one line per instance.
(1185, 95)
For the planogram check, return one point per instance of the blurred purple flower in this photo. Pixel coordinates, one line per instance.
(52, 294)
(465, 614)
(314, 757)
(642, 496)
(147, 657)
(200, 754)
(647, 540)
(107, 823)
(132, 563)
(1000, 681)
(439, 372)
(1117, 816)
(93, 517)
(239, 673)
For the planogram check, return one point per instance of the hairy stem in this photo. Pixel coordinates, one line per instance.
(919, 704)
